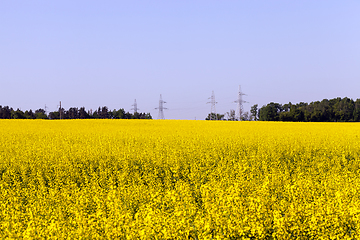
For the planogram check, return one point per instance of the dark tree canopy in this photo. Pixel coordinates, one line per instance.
(213, 116)
(333, 110)
(72, 113)
(100, 113)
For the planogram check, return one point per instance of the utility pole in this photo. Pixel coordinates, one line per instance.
(60, 110)
(213, 103)
(240, 102)
(161, 108)
(135, 108)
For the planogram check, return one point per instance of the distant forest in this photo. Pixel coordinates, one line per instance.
(333, 110)
(7, 112)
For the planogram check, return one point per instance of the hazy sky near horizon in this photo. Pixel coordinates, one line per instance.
(108, 53)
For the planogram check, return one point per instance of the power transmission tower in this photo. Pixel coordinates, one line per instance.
(135, 108)
(45, 109)
(213, 108)
(240, 102)
(161, 108)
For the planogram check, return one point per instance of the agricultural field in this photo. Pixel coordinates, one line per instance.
(153, 179)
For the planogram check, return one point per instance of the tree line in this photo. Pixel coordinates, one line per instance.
(333, 110)
(7, 112)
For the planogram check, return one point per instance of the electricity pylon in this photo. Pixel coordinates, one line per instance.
(213, 108)
(240, 102)
(161, 108)
(135, 108)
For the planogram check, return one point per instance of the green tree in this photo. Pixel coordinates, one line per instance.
(148, 116)
(344, 109)
(54, 115)
(5, 112)
(231, 116)
(119, 114)
(18, 114)
(40, 114)
(356, 114)
(270, 112)
(73, 113)
(254, 112)
(29, 114)
(213, 116)
(83, 114)
(104, 112)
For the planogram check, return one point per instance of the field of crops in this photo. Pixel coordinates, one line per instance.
(151, 179)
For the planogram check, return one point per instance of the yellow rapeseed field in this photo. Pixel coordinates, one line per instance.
(153, 179)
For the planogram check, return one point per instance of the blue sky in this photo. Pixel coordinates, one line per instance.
(108, 53)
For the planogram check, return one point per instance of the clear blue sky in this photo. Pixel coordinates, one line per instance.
(108, 53)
